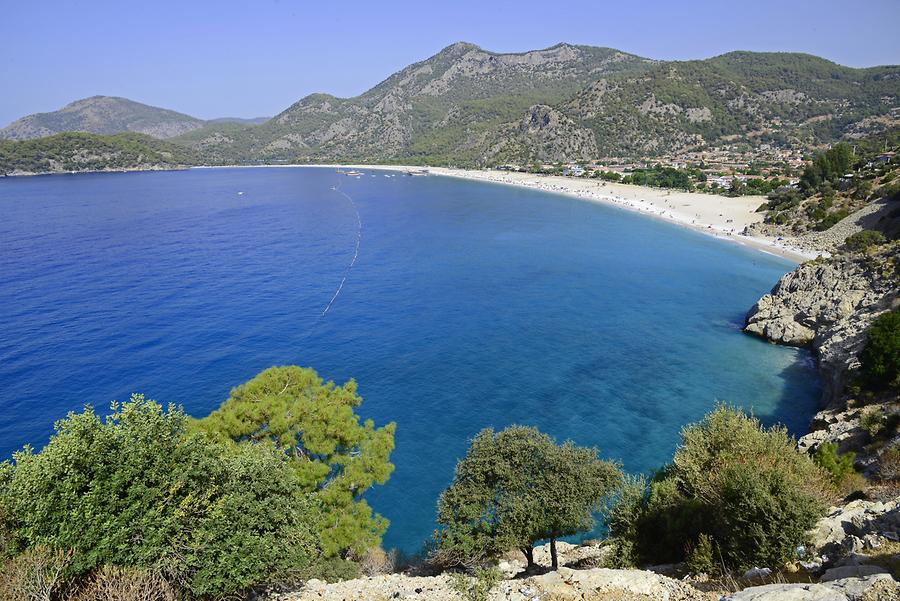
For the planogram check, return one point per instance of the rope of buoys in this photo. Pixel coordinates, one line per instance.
(355, 252)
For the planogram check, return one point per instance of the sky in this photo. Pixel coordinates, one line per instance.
(255, 58)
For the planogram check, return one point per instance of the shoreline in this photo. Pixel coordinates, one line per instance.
(721, 217)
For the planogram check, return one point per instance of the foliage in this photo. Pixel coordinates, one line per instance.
(622, 515)
(830, 220)
(701, 557)
(873, 421)
(661, 177)
(134, 490)
(880, 358)
(334, 456)
(111, 583)
(516, 487)
(35, 575)
(862, 240)
(331, 569)
(742, 485)
(378, 561)
(827, 167)
(477, 587)
(77, 151)
(838, 466)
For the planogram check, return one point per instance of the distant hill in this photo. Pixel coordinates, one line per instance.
(91, 152)
(239, 120)
(103, 115)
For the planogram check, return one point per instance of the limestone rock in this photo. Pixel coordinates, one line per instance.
(878, 587)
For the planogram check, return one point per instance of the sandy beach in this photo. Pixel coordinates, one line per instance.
(720, 216)
(715, 215)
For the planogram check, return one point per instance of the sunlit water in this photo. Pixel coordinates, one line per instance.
(469, 305)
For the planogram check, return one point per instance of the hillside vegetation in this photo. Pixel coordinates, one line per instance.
(467, 106)
(91, 152)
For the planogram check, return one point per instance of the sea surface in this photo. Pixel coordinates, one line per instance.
(468, 305)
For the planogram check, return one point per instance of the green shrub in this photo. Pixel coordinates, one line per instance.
(331, 569)
(134, 490)
(831, 219)
(744, 487)
(701, 557)
(837, 466)
(880, 359)
(477, 587)
(873, 421)
(860, 241)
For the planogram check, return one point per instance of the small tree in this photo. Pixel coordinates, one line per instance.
(517, 487)
(335, 456)
(880, 358)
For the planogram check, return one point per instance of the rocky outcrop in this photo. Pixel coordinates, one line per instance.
(879, 587)
(828, 304)
(599, 584)
(562, 585)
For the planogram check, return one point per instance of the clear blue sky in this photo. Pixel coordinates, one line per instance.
(254, 58)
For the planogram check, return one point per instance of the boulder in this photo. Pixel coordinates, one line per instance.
(857, 571)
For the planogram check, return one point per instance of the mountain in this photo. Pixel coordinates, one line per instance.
(443, 109)
(103, 115)
(740, 96)
(467, 106)
(77, 151)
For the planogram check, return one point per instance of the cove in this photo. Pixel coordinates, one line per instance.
(468, 305)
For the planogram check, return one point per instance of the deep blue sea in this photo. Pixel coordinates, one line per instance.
(469, 305)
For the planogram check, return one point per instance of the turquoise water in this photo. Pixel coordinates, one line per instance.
(468, 305)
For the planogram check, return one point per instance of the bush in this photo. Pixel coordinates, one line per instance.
(744, 487)
(377, 561)
(35, 575)
(135, 490)
(111, 583)
(831, 219)
(860, 241)
(476, 588)
(839, 467)
(701, 557)
(873, 421)
(880, 359)
(889, 464)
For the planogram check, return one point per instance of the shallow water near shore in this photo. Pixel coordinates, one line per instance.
(469, 305)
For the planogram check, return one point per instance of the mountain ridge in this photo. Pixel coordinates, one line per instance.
(471, 107)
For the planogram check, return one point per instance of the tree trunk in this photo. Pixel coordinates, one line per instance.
(553, 560)
(529, 556)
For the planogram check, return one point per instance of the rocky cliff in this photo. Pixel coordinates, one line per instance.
(828, 304)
